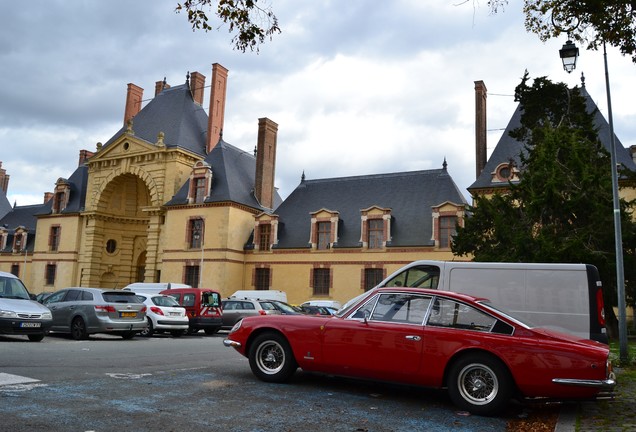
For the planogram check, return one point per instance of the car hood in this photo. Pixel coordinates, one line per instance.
(22, 306)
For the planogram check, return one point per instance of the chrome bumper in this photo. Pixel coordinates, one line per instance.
(231, 344)
(606, 384)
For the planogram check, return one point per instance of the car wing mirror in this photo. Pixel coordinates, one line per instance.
(367, 315)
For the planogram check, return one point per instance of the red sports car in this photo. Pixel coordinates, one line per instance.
(481, 354)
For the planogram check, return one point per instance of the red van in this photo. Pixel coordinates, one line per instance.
(202, 305)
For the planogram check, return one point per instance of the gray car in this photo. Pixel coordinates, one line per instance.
(84, 311)
(235, 309)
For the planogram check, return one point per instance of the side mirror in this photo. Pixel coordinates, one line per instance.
(367, 315)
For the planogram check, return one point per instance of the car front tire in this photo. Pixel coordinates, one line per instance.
(271, 358)
(480, 383)
(36, 337)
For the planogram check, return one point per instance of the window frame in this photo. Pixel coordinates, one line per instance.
(321, 281)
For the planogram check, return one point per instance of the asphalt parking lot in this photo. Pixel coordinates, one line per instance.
(193, 383)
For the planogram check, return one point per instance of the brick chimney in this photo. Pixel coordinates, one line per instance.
(217, 105)
(4, 179)
(161, 86)
(47, 196)
(480, 127)
(84, 155)
(197, 85)
(265, 162)
(133, 101)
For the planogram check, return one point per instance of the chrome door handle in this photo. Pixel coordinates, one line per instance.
(414, 338)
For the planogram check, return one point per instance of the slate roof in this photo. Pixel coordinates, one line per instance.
(5, 205)
(173, 112)
(21, 216)
(233, 178)
(410, 195)
(78, 183)
(509, 148)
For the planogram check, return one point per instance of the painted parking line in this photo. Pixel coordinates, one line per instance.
(9, 382)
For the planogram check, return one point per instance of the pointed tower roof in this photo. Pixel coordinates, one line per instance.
(508, 149)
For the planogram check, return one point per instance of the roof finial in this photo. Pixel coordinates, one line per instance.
(302, 177)
(582, 80)
(188, 79)
(444, 165)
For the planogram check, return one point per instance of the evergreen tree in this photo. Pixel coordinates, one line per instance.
(561, 209)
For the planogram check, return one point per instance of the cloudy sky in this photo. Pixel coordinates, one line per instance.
(357, 87)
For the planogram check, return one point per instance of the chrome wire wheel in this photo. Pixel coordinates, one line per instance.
(270, 357)
(477, 384)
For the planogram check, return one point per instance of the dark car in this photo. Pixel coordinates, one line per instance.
(84, 311)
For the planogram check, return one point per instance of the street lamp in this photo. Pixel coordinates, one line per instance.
(568, 55)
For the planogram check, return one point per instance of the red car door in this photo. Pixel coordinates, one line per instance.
(387, 345)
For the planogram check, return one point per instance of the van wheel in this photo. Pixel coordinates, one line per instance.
(480, 384)
(78, 329)
(36, 337)
(271, 358)
(148, 331)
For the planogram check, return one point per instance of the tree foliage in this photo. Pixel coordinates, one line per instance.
(561, 210)
(592, 22)
(251, 22)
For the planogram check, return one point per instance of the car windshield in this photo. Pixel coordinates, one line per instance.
(349, 305)
(13, 288)
(165, 301)
(285, 307)
(511, 315)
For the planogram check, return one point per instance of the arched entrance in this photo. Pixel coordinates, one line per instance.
(120, 231)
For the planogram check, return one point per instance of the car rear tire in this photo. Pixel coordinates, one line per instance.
(36, 337)
(148, 331)
(271, 358)
(78, 329)
(480, 383)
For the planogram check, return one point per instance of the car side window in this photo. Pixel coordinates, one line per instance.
(248, 305)
(267, 306)
(401, 308)
(56, 297)
(87, 296)
(453, 314)
(188, 300)
(73, 295)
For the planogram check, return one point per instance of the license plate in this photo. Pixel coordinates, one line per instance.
(128, 314)
(30, 325)
(175, 314)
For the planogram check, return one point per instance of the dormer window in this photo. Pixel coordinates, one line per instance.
(20, 240)
(505, 172)
(265, 231)
(375, 227)
(446, 218)
(4, 235)
(61, 195)
(324, 229)
(200, 183)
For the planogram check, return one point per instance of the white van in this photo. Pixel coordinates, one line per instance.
(20, 314)
(565, 297)
(261, 294)
(153, 288)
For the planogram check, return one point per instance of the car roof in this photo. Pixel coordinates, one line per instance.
(434, 292)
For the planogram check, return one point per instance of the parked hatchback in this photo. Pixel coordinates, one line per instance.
(84, 311)
(19, 314)
(164, 315)
(235, 309)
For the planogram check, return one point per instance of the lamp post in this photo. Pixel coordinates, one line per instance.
(568, 55)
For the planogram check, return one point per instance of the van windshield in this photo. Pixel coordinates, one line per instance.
(13, 288)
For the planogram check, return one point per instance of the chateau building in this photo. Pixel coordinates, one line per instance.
(166, 199)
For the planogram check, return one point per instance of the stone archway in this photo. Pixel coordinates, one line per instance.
(117, 231)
